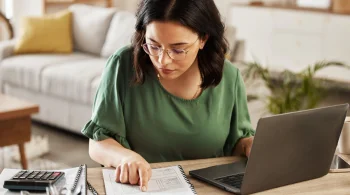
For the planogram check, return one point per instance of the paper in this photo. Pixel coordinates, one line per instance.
(164, 181)
(67, 181)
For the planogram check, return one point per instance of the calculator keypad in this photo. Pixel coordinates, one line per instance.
(54, 175)
(37, 175)
(46, 176)
(25, 175)
(40, 175)
(31, 176)
(33, 180)
(18, 174)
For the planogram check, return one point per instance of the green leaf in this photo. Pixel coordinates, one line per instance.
(291, 91)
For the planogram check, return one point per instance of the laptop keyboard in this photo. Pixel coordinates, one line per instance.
(232, 180)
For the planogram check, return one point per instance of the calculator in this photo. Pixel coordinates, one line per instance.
(33, 180)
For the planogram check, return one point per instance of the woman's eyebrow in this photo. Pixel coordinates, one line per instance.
(173, 44)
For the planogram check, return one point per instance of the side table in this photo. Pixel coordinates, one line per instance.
(15, 123)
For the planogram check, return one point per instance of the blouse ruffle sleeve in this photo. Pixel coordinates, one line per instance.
(97, 133)
(240, 121)
(107, 119)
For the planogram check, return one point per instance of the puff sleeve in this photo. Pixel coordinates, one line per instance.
(107, 119)
(240, 126)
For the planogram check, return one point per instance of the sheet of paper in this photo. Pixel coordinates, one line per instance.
(164, 181)
(67, 181)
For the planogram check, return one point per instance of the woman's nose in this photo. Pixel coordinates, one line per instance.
(164, 58)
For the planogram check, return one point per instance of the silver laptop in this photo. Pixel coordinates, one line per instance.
(287, 148)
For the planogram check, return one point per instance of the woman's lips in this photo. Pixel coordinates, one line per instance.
(166, 71)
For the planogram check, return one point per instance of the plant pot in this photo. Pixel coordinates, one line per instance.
(341, 6)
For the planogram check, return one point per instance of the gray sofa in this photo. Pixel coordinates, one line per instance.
(65, 85)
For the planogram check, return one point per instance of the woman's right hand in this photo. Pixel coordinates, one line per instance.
(134, 169)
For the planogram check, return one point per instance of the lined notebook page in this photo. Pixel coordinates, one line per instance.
(164, 181)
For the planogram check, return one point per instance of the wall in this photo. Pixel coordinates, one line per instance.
(24, 8)
(223, 5)
(1, 27)
(129, 5)
(289, 39)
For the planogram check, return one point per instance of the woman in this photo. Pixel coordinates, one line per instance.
(171, 95)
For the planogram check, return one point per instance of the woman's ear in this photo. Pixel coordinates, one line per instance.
(203, 41)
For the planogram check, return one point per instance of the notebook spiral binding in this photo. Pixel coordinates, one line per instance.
(77, 177)
(92, 189)
(89, 186)
(186, 179)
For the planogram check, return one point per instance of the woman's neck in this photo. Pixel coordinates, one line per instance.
(186, 86)
(190, 77)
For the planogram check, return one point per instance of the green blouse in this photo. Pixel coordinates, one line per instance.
(162, 127)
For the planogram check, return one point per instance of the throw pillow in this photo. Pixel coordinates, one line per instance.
(46, 34)
(90, 26)
(120, 32)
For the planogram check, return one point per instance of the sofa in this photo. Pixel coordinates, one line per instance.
(64, 85)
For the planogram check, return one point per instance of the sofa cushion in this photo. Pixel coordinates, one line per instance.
(72, 80)
(25, 70)
(90, 26)
(46, 34)
(119, 33)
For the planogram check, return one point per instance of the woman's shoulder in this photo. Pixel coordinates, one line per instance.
(230, 70)
(121, 60)
(124, 52)
(120, 64)
(232, 74)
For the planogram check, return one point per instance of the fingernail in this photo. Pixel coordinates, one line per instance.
(144, 189)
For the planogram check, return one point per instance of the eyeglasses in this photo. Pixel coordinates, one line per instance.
(175, 54)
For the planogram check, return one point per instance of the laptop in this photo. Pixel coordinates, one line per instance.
(287, 148)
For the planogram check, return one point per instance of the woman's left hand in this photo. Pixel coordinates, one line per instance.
(244, 146)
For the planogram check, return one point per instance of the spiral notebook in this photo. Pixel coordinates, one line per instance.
(164, 181)
(80, 180)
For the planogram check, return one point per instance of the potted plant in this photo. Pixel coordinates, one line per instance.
(290, 91)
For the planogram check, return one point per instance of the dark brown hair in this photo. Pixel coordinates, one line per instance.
(201, 16)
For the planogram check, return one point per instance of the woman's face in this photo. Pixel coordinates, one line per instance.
(174, 39)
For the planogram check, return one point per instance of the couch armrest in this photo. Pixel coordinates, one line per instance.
(7, 48)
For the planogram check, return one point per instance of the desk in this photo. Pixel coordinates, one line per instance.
(332, 183)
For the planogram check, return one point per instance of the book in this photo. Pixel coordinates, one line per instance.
(164, 181)
(74, 179)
